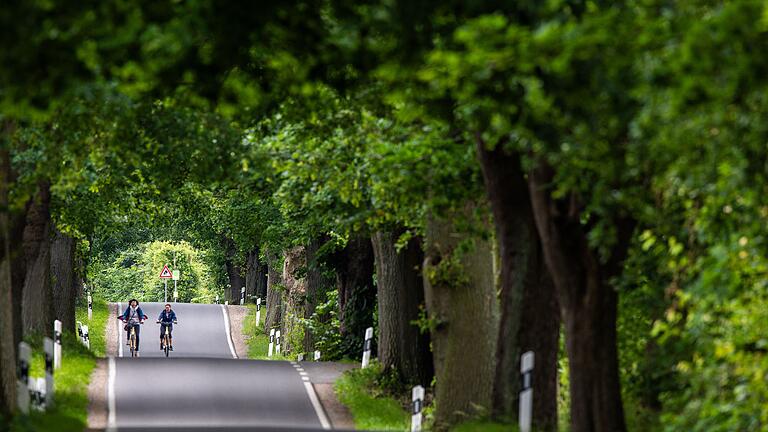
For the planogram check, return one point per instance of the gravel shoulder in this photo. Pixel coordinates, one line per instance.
(237, 316)
(97, 388)
(323, 375)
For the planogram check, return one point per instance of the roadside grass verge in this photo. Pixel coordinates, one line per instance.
(70, 410)
(371, 409)
(257, 338)
(484, 426)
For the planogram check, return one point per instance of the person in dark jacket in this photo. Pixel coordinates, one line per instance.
(133, 317)
(167, 318)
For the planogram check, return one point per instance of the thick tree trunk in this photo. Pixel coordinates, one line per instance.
(588, 305)
(401, 345)
(354, 267)
(320, 279)
(274, 293)
(463, 311)
(251, 274)
(234, 273)
(530, 319)
(63, 278)
(261, 281)
(294, 299)
(37, 304)
(9, 318)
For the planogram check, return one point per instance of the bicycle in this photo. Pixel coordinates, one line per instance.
(132, 337)
(132, 341)
(167, 336)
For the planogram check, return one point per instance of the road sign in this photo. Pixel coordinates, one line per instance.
(166, 273)
(176, 274)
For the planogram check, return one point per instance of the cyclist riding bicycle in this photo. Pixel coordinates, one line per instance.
(167, 318)
(133, 316)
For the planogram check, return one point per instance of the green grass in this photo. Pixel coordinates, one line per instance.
(370, 409)
(256, 338)
(484, 426)
(70, 411)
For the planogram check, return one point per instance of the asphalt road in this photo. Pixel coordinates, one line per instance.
(201, 386)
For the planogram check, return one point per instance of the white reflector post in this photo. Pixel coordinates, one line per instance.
(271, 342)
(417, 405)
(22, 378)
(258, 311)
(217, 299)
(86, 337)
(526, 394)
(367, 347)
(57, 344)
(48, 348)
(90, 307)
(317, 355)
(242, 296)
(277, 341)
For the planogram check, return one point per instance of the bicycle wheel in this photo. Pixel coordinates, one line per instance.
(167, 347)
(133, 343)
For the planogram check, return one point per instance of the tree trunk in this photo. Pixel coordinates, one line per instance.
(251, 274)
(37, 304)
(294, 299)
(234, 273)
(354, 267)
(401, 345)
(261, 281)
(588, 304)
(63, 278)
(319, 281)
(463, 312)
(9, 317)
(530, 319)
(274, 293)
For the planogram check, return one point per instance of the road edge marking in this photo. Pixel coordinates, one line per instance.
(112, 416)
(119, 331)
(228, 328)
(317, 405)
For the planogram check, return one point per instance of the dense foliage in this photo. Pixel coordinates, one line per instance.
(240, 133)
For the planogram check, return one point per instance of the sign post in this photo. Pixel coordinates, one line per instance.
(526, 394)
(271, 342)
(22, 378)
(165, 275)
(176, 277)
(258, 311)
(367, 347)
(57, 344)
(417, 405)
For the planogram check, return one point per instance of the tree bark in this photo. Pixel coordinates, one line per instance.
(401, 345)
(320, 279)
(234, 272)
(251, 273)
(354, 267)
(530, 319)
(294, 298)
(588, 304)
(10, 319)
(63, 278)
(37, 304)
(463, 312)
(274, 293)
